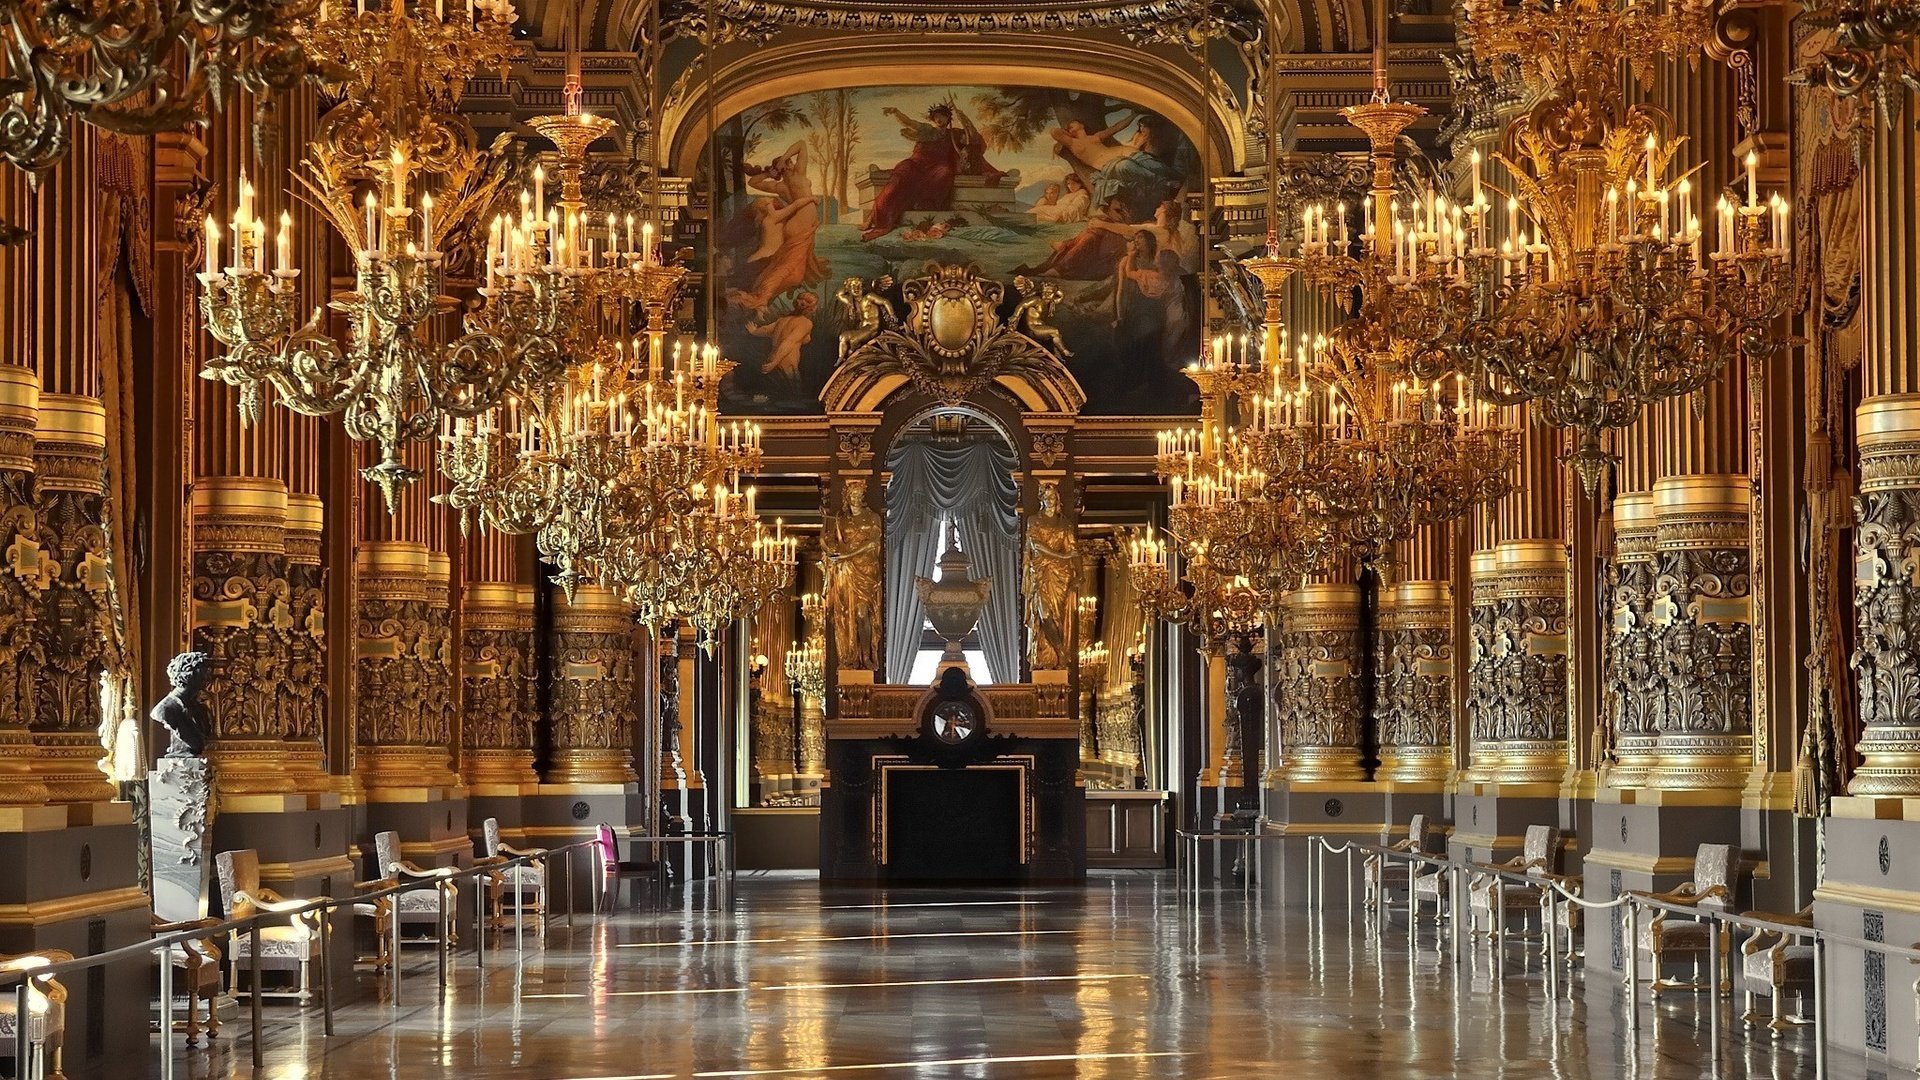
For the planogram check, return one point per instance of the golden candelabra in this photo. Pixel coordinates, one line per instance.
(1213, 604)
(1353, 427)
(1598, 291)
(399, 77)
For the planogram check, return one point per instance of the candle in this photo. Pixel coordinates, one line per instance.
(646, 244)
(1753, 179)
(426, 221)
(373, 218)
(1653, 179)
(1513, 217)
(1476, 177)
(1613, 214)
(539, 191)
(283, 243)
(213, 248)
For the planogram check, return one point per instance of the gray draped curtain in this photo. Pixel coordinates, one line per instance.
(972, 484)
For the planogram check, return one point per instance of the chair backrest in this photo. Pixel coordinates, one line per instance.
(1713, 865)
(1417, 832)
(603, 843)
(239, 871)
(1541, 847)
(490, 831)
(386, 850)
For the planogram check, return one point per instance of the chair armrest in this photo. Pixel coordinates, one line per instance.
(375, 885)
(415, 873)
(268, 900)
(1686, 897)
(1798, 918)
(524, 853)
(160, 927)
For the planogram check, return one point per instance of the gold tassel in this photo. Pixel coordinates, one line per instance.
(1806, 784)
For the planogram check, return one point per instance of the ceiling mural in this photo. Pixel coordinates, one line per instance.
(1040, 188)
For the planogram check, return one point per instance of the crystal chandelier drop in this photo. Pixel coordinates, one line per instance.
(398, 76)
(1598, 291)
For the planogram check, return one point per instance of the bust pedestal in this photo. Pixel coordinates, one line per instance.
(180, 836)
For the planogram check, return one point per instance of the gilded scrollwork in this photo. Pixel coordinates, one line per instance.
(1485, 706)
(1707, 650)
(74, 624)
(1886, 661)
(1533, 675)
(399, 653)
(243, 619)
(593, 693)
(1631, 664)
(1417, 686)
(304, 695)
(499, 687)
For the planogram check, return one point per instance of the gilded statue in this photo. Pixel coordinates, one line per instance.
(181, 711)
(1041, 299)
(866, 312)
(853, 549)
(1053, 567)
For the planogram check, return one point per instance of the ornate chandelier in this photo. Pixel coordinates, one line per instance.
(399, 77)
(1604, 293)
(1866, 49)
(1353, 425)
(1214, 604)
(138, 67)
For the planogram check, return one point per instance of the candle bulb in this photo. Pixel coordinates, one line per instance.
(373, 222)
(1753, 179)
(539, 191)
(426, 221)
(213, 248)
(283, 243)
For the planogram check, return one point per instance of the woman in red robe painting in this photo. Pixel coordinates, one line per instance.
(923, 180)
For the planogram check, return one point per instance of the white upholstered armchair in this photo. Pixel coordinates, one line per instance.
(291, 946)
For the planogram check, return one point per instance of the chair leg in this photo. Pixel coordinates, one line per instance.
(306, 981)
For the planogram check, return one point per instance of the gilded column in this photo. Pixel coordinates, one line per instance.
(1703, 595)
(1483, 700)
(405, 744)
(1321, 716)
(1524, 737)
(1415, 667)
(497, 667)
(593, 689)
(246, 612)
(20, 569)
(1886, 659)
(812, 736)
(1634, 698)
(1703, 591)
(72, 633)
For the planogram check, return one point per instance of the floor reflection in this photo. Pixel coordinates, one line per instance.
(1120, 980)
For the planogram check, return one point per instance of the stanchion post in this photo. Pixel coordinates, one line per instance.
(393, 953)
(1819, 1008)
(22, 1043)
(1633, 968)
(519, 918)
(253, 998)
(443, 931)
(165, 955)
(326, 971)
(1713, 991)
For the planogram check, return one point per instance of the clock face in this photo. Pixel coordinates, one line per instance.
(953, 721)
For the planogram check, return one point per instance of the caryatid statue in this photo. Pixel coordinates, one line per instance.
(1052, 570)
(852, 543)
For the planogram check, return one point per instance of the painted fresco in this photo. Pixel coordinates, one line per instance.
(1081, 190)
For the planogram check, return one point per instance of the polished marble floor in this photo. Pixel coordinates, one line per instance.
(1120, 979)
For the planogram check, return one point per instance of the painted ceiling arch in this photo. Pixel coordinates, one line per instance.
(1304, 26)
(757, 76)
